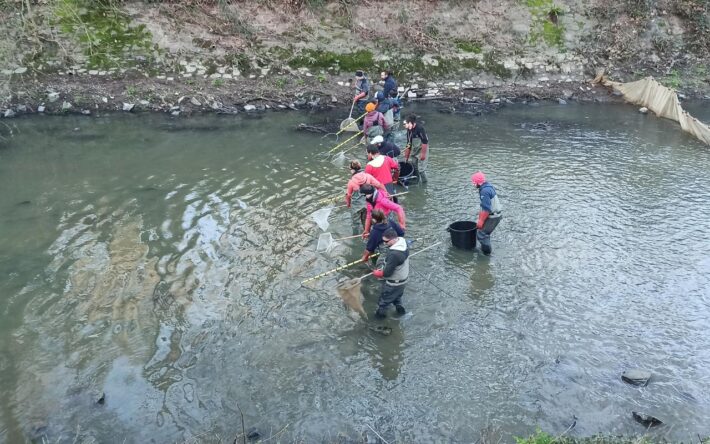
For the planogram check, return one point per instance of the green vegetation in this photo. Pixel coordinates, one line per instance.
(545, 25)
(309, 58)
(217, 82)
(103, 31)
(672, 80)
(468, 46)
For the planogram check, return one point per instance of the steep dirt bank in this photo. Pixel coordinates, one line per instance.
(231, 56)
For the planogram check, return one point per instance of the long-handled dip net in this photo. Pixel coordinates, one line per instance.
(351, 295)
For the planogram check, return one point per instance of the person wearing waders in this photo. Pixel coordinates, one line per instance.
(375, 241)
(359, 178)
(374, 122)
(490, 214)
(417, 146)
(362, 93)
(394, 273)
(376, 200)
(381, 167)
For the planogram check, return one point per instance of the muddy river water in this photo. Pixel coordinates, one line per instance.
(156, 264)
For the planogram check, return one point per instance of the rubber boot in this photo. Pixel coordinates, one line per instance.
(400, 310)
(380, 314)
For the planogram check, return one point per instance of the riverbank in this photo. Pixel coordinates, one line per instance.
(83, 57)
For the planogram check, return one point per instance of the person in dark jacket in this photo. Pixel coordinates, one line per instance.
(490, 214)
(362, 91)
(380, 224)
(395, 274)
(386, 148)
(417, 146)
(390, 83)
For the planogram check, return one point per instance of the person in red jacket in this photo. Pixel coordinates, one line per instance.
(381, 167)
(375, 199)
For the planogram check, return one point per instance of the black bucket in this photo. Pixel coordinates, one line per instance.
(406, 172)
(463, 234)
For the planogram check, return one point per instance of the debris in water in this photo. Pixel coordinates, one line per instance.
(381, 329)
(646, 420)
(636, 376)
(253, 433)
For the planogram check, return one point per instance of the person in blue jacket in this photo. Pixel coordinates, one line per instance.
(390, 82)
(374, 241)
(490, 214)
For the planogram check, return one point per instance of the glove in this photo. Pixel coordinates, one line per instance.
(366, 256)
(395, 176)
(422, 155)
(379, 273)
(482, 216)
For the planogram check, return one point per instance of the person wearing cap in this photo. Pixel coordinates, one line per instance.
(490, 214)
(376, 200)
(380, 167)
(362, 91)
(374, 122)
(386, 148)
(395, 274)
(417, 146)
(374, 240)
(390, 84)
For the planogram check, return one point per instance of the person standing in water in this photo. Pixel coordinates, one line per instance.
(395, 274)
(490, 214)
(417, 146)
(375, 240)
(381, 167)
(377, 200)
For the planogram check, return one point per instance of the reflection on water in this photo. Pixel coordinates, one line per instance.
(158, 261)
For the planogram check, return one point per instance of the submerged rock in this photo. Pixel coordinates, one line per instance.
(381, 329)
(643, 110)
(646, 420)
(253, 433)
(249, 108)
(636, 376)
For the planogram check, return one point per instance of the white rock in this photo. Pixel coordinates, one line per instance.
(160, 77)
(544, 79)
(195, 102)
(170, 79)
(102, 73)
(495, 100)
(128, 107)
(333, 99)
(66, 106)
(186, 74)
(9, 113)
(467, 83)
(236, 72)
(104, 99)
(265, 71)
(190, 69)
(341, 83)
(215, 76)
(182, 62)
(41, 108)
(249, 108)
(308, 74)
(86, 112)
(415, 87)
(252, 76)
(431, 85)
(221, 70)
(93, 72)
(216, 105)
(144, 103)
(411, 94)
(6, 72)
(21, 108)
(400, 89)
(52, 97)
(226, 76)
(181, 99)
(202, 72)
(643, 110)
(21, 70)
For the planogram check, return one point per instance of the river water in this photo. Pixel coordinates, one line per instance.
(159, 261)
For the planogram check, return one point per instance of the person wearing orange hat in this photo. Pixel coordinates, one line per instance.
(374, 122)
(490, 214)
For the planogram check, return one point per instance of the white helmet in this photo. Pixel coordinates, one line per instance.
(377, 139)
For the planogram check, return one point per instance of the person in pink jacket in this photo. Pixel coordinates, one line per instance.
(375, 199)
(358, 179)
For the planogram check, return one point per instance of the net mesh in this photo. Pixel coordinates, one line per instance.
(321, 218)
(349, 125)
(325, 242)
(349, 292)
